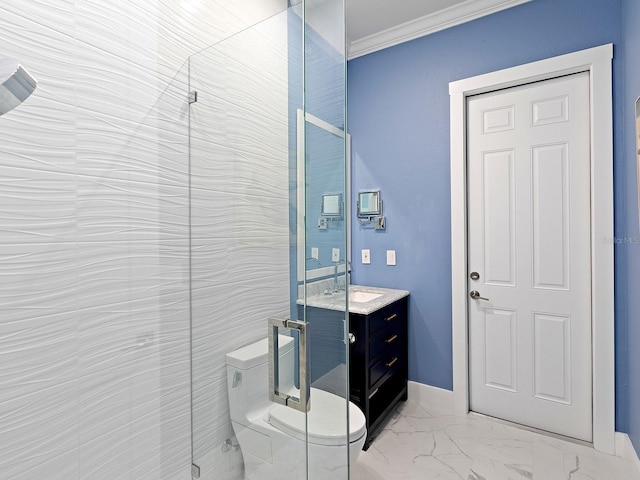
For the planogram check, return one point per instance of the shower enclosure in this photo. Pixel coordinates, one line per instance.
(267, 148)
(157, 207)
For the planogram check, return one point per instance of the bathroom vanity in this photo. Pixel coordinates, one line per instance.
(378, 349)
(378, 363)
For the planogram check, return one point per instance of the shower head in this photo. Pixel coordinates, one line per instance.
(16, 84)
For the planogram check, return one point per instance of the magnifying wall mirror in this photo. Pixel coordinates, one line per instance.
(332, 205)
(369, 204)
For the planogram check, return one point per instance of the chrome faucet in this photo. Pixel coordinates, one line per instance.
(336, 287)
(315, 260)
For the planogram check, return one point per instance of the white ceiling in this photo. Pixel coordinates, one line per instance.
(377, 24)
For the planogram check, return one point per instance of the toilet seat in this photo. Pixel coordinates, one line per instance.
(326, 420)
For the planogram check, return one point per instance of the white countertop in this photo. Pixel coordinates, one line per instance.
(336, 301)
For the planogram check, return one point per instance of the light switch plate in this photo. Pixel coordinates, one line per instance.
(335, 254)
(391, 257)
(366, 256)
(314, 253)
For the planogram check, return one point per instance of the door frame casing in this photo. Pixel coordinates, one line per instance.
(596, 61)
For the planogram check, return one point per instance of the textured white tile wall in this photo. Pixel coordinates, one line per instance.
(94, 300)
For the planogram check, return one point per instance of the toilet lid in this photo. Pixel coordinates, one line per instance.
(326, 420)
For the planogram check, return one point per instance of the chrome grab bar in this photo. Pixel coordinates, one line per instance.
(301, 404)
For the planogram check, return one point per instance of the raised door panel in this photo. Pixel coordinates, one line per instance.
(550, 209)
(498, 119)
(547, 111)
(552, 357)
(498, 194)
(500, 349)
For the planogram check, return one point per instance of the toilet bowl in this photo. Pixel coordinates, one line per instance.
(272, 436)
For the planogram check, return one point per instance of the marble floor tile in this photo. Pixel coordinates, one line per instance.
(420, 443)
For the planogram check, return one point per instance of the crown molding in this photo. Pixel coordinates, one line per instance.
(449, 17)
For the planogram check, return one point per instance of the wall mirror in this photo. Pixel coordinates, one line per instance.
(323, 198)
(332, 205)
(369, 203)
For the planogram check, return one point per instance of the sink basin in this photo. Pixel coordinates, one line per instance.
(363, 297)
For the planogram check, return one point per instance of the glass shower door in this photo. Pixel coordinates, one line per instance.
(263, 172)
(239, 212)
(324, 294)
(334, 429)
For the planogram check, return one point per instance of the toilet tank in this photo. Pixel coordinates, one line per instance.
(248, 377)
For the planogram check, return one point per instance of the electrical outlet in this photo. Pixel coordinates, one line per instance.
(335, 255)
(366, 256)
(391, 257)
(314, 253)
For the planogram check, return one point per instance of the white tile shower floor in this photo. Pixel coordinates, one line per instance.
(421, 444)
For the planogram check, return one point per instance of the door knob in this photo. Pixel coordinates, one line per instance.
(476, 295)
(474, 276)
(352, 338)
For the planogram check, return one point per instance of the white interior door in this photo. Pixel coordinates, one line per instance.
(528, 153)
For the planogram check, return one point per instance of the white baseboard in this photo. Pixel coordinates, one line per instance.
(624, 449)
(435, 397)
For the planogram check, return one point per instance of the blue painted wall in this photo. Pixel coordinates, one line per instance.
(630, 324)
(399, 118)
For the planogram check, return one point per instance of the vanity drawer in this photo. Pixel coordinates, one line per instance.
(388, 363)
(387, 338)
(388, 316)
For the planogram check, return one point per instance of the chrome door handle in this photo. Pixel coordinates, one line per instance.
(476, 295)
(301, 404)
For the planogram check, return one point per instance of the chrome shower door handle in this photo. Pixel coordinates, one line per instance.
(300, 403)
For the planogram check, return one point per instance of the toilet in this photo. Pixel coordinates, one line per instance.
(272, 436)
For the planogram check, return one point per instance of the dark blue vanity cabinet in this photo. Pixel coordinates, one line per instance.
(378, 363)
(377, 358)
